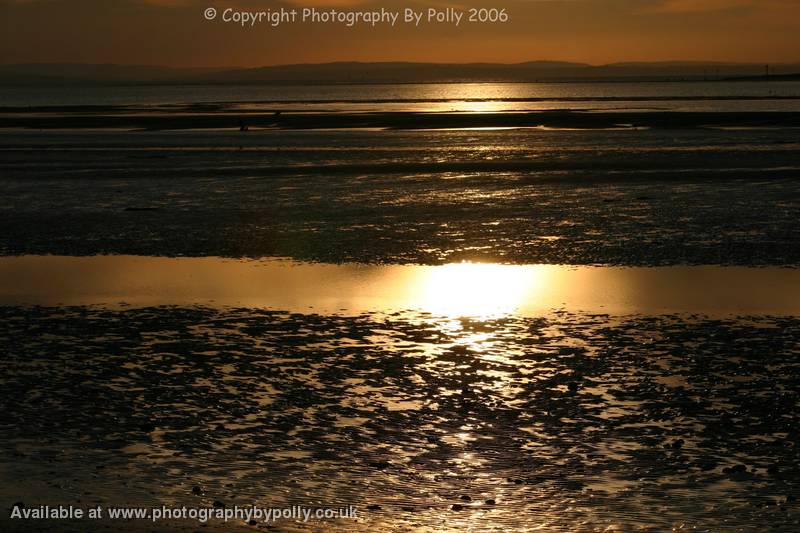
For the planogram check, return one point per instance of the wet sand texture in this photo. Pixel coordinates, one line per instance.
(573, 422)
(619, 198)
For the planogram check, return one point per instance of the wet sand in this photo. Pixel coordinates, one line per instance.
(568, 422)
(640, 198)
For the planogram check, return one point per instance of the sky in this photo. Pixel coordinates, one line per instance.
(176, 33)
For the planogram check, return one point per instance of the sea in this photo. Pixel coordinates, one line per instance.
(479, 97)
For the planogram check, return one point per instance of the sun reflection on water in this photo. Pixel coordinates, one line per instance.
(477, 290)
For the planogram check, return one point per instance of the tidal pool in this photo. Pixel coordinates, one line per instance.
(458, 289)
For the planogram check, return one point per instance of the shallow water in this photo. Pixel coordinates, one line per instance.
(479, 290)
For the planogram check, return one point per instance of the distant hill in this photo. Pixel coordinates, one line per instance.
(387, 72)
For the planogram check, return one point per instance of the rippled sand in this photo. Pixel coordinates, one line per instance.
(567, 422)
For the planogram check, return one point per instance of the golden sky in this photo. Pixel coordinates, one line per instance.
(175, 33)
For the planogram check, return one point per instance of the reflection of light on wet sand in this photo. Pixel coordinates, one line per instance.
(238, 399)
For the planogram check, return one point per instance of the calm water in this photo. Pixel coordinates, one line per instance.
(479, 290)
(695, 96)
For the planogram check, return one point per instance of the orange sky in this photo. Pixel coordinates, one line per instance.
(174, 32)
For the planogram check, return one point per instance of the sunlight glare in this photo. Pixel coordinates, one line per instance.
(477, 290)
